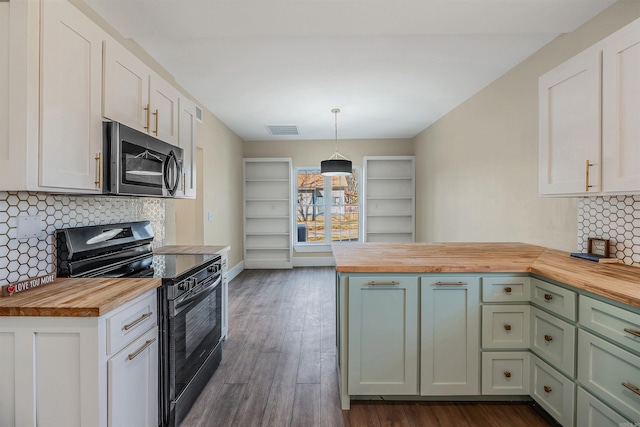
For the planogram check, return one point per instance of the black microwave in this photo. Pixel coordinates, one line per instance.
(137, 164)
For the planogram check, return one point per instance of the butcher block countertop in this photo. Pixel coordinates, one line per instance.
(76, 297)
(615, 281)
(191, 250)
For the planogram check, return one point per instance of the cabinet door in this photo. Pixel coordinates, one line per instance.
(126, 87)
(569, 120)
(133, 383)
(505, 373)
(71, 76)
(554, 340)
(187, 141)
(620, 111)
(506, 326)
(383, 335)
(163, 99)
(450, 335)
(553, 391)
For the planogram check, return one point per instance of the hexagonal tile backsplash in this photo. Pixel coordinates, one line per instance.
(616, 218)
(21, 259)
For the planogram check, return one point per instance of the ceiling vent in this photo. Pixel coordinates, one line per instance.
(283, 130)
(199, 114)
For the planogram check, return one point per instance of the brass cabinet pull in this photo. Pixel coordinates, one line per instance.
(157, 119)
(98, 181)
(138, 320)
(632, 332)
(391, 283)
(548, 297)
(587, 186)
(547, 389)
(451, 283)
(148, 110)
(507, 327)
(141, 349)
(507, 374)
(631, 387)
(508, 289)
(548, 338)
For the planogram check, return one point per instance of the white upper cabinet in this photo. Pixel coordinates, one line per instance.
(569, 133)
(4, 85)
(621, 111)
(187, 141)
(589, 129)
(135, 96)
(70, 99)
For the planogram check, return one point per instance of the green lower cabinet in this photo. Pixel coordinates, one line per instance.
(554, 392)
(383, 335)
(450, 335)
(591, 412)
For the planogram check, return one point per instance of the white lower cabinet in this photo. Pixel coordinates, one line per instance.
(505, 373)
(553, 391)
(59, 371)
(450, 335)
(133, 383)
(591, 412)
(383, 335)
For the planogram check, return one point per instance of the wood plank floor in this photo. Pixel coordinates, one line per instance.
(278, 366)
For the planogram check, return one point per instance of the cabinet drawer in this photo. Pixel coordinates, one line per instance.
(553, 391)
(554, 298)
(615, 323)
(554, 340)
(604, 367)
(506, 289)
(130, 321)
(505, 326)
(505, 373)
(590, 412)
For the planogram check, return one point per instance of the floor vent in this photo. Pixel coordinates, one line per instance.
(283, 130)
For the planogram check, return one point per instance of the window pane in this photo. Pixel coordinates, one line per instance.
(310, 206)
(344, 208)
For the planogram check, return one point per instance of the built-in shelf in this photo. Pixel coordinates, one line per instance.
(389, 184)
(267, 213)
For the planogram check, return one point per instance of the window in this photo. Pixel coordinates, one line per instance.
(327, 208)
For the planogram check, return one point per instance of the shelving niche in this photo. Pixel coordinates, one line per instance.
(267, 213)
(389, 198)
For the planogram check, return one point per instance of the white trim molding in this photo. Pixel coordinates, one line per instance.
(233, 272)
(323, 261)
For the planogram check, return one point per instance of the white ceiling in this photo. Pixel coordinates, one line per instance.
(392, 66)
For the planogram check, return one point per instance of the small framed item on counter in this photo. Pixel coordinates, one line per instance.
(597, 250)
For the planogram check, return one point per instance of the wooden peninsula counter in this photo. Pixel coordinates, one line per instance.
(487, 321)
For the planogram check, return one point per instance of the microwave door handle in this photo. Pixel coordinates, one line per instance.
(171, 175)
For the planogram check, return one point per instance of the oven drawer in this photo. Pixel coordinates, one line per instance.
(130, 321)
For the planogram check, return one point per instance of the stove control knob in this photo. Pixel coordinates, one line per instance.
(184, 285)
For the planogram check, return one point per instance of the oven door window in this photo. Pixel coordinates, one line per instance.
(195, 327)
(141, 166)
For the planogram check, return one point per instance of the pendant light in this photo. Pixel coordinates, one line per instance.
(337, 164)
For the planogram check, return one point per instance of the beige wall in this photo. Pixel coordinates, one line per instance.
(477, 167)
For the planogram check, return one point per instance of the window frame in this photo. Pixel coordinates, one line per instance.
(323, 246)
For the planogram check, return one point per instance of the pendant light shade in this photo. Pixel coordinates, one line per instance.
(337, 164)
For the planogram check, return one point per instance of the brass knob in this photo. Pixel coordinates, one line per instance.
(507, 327)
(507, 374)
(547, 389)
(548, 338)
(548, 297)
(507, 289)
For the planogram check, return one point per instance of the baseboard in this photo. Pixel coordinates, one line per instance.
(321, 261)
(233, 272)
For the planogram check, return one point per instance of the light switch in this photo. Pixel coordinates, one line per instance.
(210, 216)
(29, 226)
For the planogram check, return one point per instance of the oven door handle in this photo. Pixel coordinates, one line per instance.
(185, 300)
